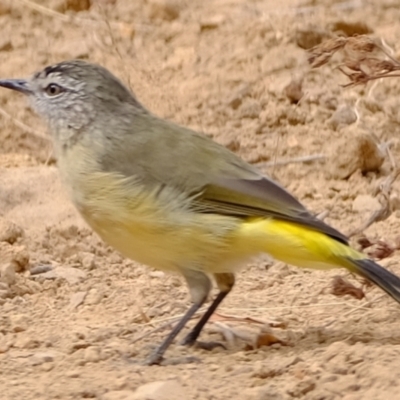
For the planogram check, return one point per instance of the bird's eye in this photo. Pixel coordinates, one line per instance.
(53, 90)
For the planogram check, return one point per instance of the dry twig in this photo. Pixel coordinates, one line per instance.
(23, 126)
(302, 159)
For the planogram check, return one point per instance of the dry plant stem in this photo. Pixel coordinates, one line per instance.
(227, 332)
(384, 211)
(303, 159)
(155, 330)
(21, 125)
(322, 215)
(365, 305)
(168, 322)
(388, 55)
(364, 79)
(237, 318)
(115, 46)
(73, 18)
(49, 12)
(44, 10)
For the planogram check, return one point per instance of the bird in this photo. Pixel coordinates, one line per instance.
(172, 198)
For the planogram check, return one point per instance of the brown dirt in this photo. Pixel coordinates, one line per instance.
(220, 67)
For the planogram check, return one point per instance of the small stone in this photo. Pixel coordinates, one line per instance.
(5, 8)
(70, 274)
(40, 269)
(119, 395)
(230, 143)
(118, 347)
(76, 5)
(46, 367)
(78, 346)
(394, 202)
(157, 274)
(335, 350)
(92, 354)
(88, 261)
(73, 373)
(9, 232)
(294, 90)
(308, 37)
(76, 300)
(26, 342)
(160, 390)
(355, 150)
(267, 392)
(212, 22)
(4, 344)
(236, 99)
(250, 108)
(17, 255)
(19, 322)
(302, 388)
(7, 273)
(94, 296)
(343, 116)
(365, 203)
(42, 357)
(4, 347)
(167, 10)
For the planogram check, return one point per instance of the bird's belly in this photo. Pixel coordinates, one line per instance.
(158, 227)
(168, 240)
(142, 244)
(170, 247)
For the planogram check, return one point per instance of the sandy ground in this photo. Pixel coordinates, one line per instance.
(80, 330)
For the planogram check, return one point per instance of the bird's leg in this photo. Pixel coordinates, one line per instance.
(199, 286)
(225, 284)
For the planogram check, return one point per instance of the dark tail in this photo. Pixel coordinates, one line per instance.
(387, 281)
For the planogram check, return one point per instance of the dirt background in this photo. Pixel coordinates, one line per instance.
(80, 330)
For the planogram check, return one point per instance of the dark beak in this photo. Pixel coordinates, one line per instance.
(20, 85)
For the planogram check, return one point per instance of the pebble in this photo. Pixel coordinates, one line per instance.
(311, 36)
(343, 116)
(76, 300)
(160, 390)
(92, 354)
(73, 373)
(167, 10)
(394, 202)
(119, 395)
(19, 322)
(70, 274)
(4, 344)
(365, 203)
(16, 255)
(42, 357)
(250, 108)
(94, 296)
(212, 21)
(40, 269)
(7, 273)
(355, 150)
(26, 342)
(88, 261)
(9, 232)
(303, 387)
